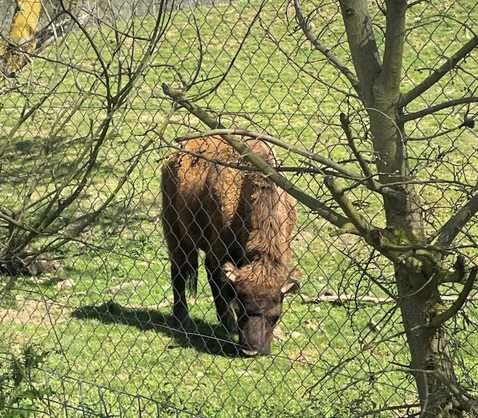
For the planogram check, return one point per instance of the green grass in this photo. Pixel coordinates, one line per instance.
(113, 345)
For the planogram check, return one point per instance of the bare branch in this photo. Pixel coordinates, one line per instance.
(439, 73)
(440, 319)
(12, 221)
(200, 59)
(432, 109)
(312, 203)
(454, 225)
(357, 220)
(94, 47)
(382, 410)
(341, 170)
(332, 297)
(467, 403)
(314, 40)
(343, 299)
(344, 120)
(300, 151)
(30, 112)
(377, 238)
(303, 69)
(433, 136)
(458, 274)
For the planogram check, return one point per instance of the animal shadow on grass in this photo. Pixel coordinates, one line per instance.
(196, 333)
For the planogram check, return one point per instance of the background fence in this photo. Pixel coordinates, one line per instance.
(85, 127)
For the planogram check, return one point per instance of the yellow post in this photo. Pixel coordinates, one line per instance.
(24, 24)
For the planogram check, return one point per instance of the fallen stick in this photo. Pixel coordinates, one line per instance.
(343, 299)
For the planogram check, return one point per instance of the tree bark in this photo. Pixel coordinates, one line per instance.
(428, 345)
(419, 299)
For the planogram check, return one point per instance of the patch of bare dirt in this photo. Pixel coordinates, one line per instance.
(37, 312)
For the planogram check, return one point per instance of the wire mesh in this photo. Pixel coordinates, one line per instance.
(85, 270)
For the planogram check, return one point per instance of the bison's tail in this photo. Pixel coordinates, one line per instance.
(191, 272)
(193, 283)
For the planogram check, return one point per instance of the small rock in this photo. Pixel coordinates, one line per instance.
(278, 334)
(327, 292)
(65, 284)
(244, 373)
(134, 284)
(162, 305)
(314, 326)
(42, 266)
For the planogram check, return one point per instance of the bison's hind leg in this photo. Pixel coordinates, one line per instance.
(223, 294)
(184, 265)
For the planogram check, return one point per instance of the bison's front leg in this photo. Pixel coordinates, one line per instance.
(223, 294)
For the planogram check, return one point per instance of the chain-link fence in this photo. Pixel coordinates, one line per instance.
(96, 96)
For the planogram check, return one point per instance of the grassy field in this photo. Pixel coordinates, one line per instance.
(105, 316)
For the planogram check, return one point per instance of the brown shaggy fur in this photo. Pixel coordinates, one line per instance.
(232, 215)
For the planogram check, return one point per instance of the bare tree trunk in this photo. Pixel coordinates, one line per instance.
(417, 288)
(428, 345)
(7, 8)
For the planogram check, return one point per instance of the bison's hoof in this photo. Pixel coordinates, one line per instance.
(183, 324)
(180, 314)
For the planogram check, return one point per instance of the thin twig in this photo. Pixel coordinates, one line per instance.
(236, 55)
(344, 121)
(433, 136)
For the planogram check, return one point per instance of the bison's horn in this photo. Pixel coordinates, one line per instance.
(291, 286)
(230, 272)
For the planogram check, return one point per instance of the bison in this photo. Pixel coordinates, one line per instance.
(243, 222)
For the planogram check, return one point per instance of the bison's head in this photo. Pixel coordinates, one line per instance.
(259, 304)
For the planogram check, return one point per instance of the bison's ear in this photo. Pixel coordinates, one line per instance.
(230, 271)
(293, 284)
